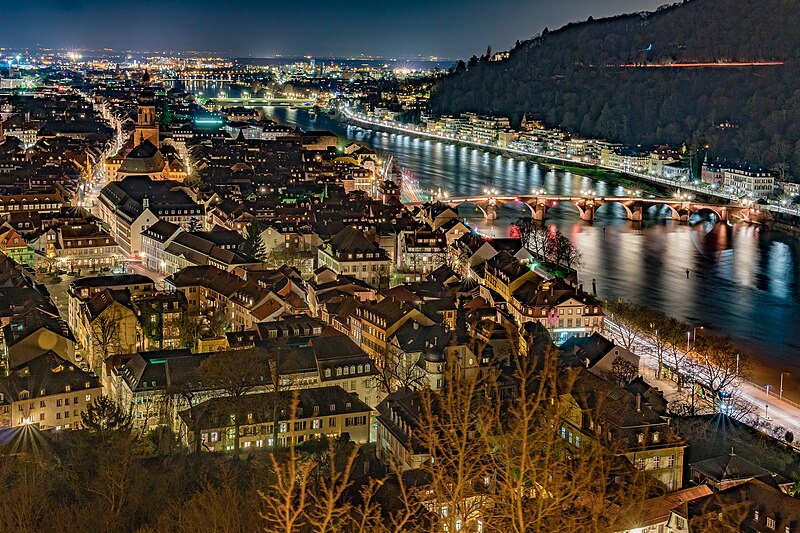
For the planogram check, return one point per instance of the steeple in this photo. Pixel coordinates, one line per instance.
(146, 77)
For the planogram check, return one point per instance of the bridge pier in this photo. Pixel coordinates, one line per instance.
(587, 213)
(636, 213)
(539, 213)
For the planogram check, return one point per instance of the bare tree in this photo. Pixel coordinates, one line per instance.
(626, 319)
(720, 366)
(184, 390)
(236, 374)
(622, 371)
(105, 335)
(396, 370)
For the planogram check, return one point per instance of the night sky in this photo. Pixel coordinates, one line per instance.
(449, 28)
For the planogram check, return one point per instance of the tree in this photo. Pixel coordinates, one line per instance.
(104, 417)
(105, 335)
(195, 224)
(292, 255)
(190, 328)
(622, 371)
(721, 368)
(396, 370)
(626, 329)
(166, 114)
(534, 236)
(184, 391)
(216, 322)
(236, 374)
(253, 244)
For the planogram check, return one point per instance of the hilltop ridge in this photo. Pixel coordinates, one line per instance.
(660, 77)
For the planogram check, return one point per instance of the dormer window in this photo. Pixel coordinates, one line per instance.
(656, 437)
(640, 438)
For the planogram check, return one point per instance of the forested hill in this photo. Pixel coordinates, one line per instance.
(581, 79)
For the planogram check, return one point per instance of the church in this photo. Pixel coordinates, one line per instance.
(147, 156)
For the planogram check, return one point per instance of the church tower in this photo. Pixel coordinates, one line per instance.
(146, 125)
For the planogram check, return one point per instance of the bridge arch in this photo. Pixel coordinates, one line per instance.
(462, 207)
(501, 204)
(716, 210)
(675, 214)
(628, 211)
(551, 203)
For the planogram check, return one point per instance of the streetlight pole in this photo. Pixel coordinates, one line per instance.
(766, 406)
(694, 333)
(780, 396)
(688, 339)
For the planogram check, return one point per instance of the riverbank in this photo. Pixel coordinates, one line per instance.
(349, 117)
(612, 177)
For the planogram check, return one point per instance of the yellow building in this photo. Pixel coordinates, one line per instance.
(48, 392)
(600, 412)
(320, 412)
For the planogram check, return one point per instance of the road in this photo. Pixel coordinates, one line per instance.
(778, 413)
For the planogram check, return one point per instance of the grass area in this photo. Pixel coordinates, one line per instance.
(608, 176)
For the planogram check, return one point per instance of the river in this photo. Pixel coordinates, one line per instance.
(743, 280)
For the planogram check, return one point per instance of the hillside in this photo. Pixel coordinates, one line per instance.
(580, 78)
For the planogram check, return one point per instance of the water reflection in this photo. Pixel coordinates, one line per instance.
(743, 280)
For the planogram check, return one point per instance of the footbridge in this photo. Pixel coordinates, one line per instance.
(681, 207)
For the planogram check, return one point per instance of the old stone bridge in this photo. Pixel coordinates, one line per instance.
(681, 207)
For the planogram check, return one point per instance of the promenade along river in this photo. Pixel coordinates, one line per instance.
(743, 280)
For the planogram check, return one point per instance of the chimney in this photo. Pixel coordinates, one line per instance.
(415, 324)
(638, 403)
(551, 289)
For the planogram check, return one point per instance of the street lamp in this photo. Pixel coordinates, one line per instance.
(694, 333)
(766, 406)
(780, 396)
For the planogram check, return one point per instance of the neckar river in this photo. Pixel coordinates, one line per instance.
(743, 280)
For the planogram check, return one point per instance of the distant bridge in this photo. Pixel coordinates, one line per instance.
(681, 207)
(276, 101)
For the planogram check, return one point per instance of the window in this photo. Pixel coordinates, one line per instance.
(214, 436)
(316, 423)
(755, 515)
(333, 408)
(640, 438)
(770, 522)
(331, 422)
(656, 437)
(656, 462)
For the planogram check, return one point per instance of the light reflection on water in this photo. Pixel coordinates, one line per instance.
(743, 280)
